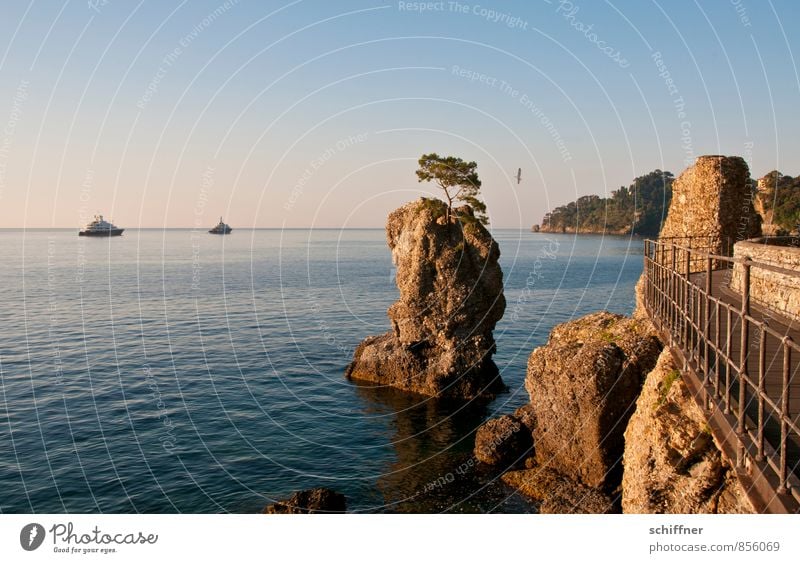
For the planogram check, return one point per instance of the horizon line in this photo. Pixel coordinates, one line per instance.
(235, 229)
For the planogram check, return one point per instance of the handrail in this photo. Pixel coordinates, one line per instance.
(744, 368)
(729, 259)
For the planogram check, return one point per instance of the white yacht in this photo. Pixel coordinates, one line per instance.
(221, 228)
(100, 228)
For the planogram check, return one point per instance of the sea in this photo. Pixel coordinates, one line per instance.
(174, 371)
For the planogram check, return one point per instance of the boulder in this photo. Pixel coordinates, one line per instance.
(451, 298)
(527, 417)
(672, 464)
(503, 441)
(583, 386)
(311, 501)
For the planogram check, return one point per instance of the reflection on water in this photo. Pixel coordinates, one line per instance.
(434, 470)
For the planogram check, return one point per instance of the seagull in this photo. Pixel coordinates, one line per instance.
(519, 175)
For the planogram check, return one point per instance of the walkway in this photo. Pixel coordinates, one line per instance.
(722, 340)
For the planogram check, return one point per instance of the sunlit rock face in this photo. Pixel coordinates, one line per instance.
(672, 464)
(713, 200)
(583, 386)
(451, 298)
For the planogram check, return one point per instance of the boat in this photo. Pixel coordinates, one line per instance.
(100, 228)
(221, 228)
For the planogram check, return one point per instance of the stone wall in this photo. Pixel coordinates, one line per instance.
(712, 204)
(777, 290)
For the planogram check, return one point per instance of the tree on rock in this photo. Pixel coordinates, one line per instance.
(457, 179)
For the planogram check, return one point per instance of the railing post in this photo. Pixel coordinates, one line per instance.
(717, 348)
(647, 275)
(662, 297)
(687, 315)
(787, 360)
(707, 319)
(744, 329)
(728, 361)
(657, 285)
(762, 376)
(673, 294)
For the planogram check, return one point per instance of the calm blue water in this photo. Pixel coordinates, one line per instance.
(172, 371)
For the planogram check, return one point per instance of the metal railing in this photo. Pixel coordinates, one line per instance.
(740, 358)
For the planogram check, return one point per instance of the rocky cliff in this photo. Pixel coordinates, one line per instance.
(451, 297)
(778, 202)
(602, 391)
(765, 203)
(671, 462)
(610, 416)
(583, 386)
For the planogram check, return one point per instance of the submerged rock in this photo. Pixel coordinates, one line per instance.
(583, 386)
(672, 464)
(557, 493)
(451, 298)
(311, 501)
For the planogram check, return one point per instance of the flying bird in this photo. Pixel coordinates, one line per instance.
(519, 175)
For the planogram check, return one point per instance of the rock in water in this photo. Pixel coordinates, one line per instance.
(713, 200)
(503, 441)
(583, 386)
(312, 501)
(671, 462)
(451, 297)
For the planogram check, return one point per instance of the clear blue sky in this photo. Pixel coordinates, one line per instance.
(312, 113)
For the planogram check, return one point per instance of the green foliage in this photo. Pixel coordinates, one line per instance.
(637, 209)
(469, 224)
(671, 378)
(437, 207)
(458, 180)
(607, 336)
(781, 195)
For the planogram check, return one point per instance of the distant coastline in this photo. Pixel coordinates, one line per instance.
(572, 231)
(637, 209)
(640, 209)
